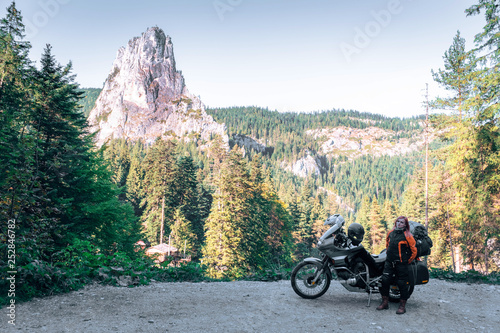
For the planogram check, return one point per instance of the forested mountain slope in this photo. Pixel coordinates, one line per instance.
(90, 96)
(379, 168)
(354, 154)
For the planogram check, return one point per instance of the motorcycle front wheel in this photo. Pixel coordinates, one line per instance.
(302, 280)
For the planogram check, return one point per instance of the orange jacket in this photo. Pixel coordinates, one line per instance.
(409, 242)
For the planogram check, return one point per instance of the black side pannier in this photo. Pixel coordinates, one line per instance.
(418, 272)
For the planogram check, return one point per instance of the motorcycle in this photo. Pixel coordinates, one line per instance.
(343, 258)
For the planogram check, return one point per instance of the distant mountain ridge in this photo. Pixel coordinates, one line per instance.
(301, 142)
(360, 134)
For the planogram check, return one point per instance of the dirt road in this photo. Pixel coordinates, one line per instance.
(257, 307)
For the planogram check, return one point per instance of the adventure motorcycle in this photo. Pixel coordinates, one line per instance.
(345, 259)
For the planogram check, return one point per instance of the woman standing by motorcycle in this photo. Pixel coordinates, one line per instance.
(401, 251)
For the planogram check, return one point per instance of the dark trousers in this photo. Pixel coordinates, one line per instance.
(402, 278)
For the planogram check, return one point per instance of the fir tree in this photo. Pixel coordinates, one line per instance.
(363, 218)
(389, 213)
(182, 235)
(118, 155)
(135, 177)
(73, 176)
(456, 77)
(159, 193)
(188, 198)
(16, 143)
(228, 222)
(377, 230)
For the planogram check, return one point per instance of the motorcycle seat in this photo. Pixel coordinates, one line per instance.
(380, 257)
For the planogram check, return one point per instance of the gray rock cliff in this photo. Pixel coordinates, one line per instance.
(145, 97)
(251, 144)
(355, 142)
(310, 164)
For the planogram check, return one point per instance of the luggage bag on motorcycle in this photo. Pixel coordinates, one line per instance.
(418, 272)
(424, 242)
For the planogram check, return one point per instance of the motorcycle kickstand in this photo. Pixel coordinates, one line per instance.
(368, 283)
(369, 297)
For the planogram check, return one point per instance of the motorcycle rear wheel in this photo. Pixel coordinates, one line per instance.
(302, 284)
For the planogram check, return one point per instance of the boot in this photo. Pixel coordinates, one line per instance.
(385, 303)
(402, 305)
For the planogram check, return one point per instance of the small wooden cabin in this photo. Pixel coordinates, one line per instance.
(162, 251)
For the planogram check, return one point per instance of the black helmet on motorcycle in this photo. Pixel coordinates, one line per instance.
(356, 232)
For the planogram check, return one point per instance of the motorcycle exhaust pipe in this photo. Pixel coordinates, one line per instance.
(352, 281)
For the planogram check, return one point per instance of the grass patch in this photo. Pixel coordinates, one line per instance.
(466, 276)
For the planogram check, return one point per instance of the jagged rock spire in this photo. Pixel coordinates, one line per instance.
(145, 97)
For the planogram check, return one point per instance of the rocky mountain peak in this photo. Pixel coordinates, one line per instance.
(145, 97)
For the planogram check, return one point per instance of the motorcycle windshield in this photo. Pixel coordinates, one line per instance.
(329, 232)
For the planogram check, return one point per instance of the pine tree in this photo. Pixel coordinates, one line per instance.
(483, 160)
(442, 222)
(293, 209)
(60, 191)
(279, 239)
(158, 189)
(362, 218)
(389, 213)
(118, 155)
(204, 204)
(303, 230)
(272, 237)
(187, 196)
(258, 235)
(135, 177)
(228, 222)
(58, 128)
(413, 204)
(456, 77)
(216, 154)
(16, 143)
(182, 235)
(332, 204)
(74, 177)
(14, 55)
(474, 156)
(377, 230)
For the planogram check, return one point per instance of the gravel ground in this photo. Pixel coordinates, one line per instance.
(243, 306)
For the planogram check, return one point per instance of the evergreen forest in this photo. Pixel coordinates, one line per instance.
(71, 212)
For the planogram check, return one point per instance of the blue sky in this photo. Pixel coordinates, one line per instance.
(290, 55)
